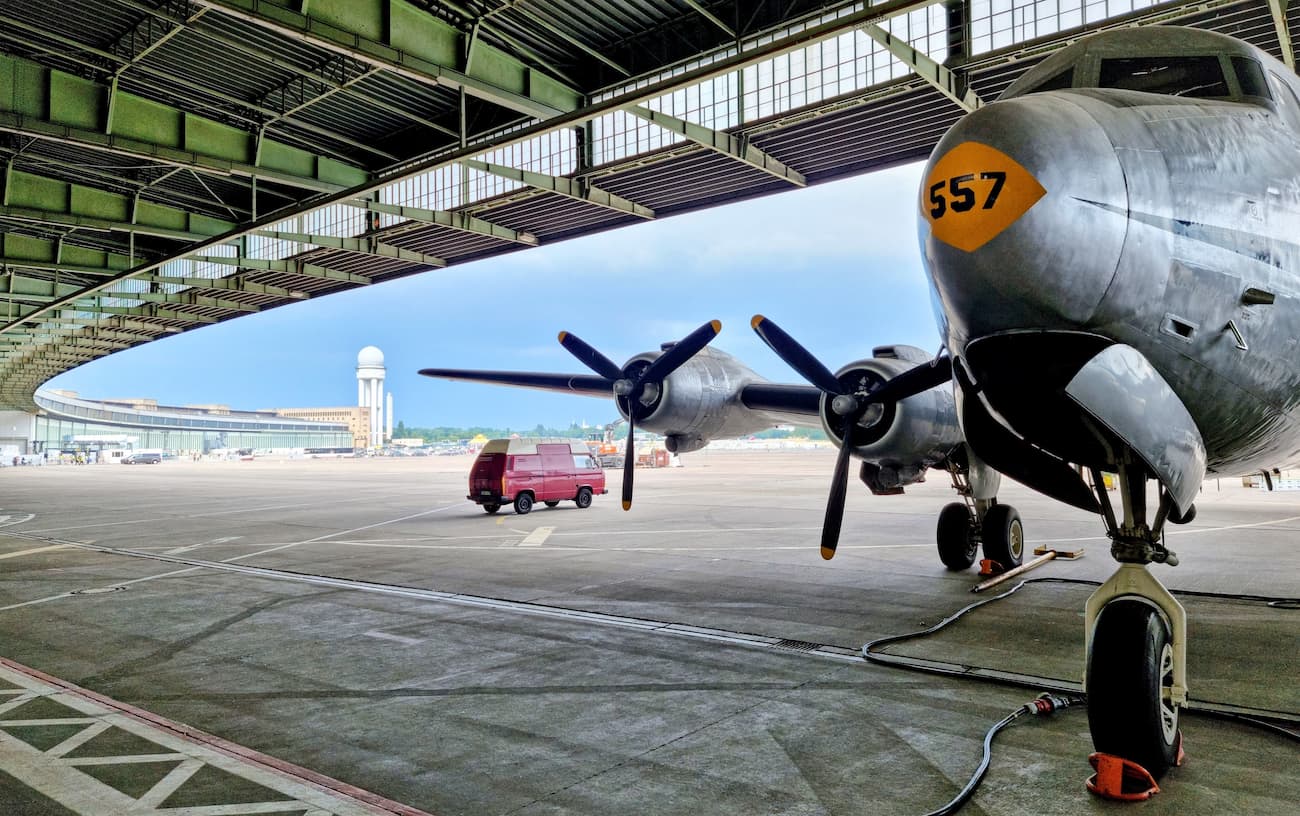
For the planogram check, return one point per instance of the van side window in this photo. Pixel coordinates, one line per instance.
(583, 461)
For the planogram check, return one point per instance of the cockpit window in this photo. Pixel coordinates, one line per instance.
(1061, 81)
(1176, 76)
(1250, 77)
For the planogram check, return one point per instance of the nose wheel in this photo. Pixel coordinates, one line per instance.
(1136, 635)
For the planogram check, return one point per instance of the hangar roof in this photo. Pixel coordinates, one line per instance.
(167, 164)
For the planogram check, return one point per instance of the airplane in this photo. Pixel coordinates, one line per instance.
(1111, 253)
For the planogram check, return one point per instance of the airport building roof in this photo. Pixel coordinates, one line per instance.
(167, 164)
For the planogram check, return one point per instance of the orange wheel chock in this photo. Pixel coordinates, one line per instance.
(990, 567)
(1119, 779)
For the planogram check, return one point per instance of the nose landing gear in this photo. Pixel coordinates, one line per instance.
(1136, 637)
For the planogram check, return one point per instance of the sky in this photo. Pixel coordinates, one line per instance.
(836, 265)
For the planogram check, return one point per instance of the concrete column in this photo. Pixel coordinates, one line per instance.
(388, 416)
(361, 392)
(374, 412)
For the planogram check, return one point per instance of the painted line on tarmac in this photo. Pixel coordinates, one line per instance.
(1180, 531)
(34, 551)
(192, 547)
(318, 539)
(537, 537)
(407, 641)
(783, 645)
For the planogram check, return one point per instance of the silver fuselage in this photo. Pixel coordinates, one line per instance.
(1159, 213)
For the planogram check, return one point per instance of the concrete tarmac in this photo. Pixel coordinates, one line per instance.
(696, 655)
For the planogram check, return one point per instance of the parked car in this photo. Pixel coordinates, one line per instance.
(527, 471)
(143, 458)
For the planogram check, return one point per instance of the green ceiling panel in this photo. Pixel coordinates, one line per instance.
(76, 101)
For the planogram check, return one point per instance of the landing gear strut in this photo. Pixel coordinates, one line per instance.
(978, 519)
(1136, 635)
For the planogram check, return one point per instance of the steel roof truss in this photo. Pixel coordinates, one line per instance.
(1278, 9)
(578, 189)
(708, 15)
(286, 266)
(360, 246)
(231, 284)
(336, 35)
(728, 144)
(186, 298)
(460, 221)
(943, 79)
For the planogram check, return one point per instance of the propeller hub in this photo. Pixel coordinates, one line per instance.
(623, 387)
(844, 404)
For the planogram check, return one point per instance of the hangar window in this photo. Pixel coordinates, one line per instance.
(1176, 76)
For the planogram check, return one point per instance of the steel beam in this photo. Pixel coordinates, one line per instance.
(570, 188)
(232, 284)
(943, 79)
(1278, 9)
(359, 246)
(117, 144)
(728, 144)
(309, 85)
(408, 45)
(711, 17)
(186, 298)
(287, 267)
(460, 221)
(81, 222)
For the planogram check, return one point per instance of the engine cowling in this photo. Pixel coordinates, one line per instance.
(896, 441)
(699, 401)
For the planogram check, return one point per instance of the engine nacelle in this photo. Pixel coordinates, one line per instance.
(699, 401)
(898, 441)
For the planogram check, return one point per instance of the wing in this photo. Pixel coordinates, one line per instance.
(586, 384)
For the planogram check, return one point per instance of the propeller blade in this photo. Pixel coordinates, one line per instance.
(629, 460)
(795, 355)
(681, 351)
(589, 357)
(835, 503)
(913, 381)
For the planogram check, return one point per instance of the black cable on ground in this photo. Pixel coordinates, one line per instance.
(1048, 703)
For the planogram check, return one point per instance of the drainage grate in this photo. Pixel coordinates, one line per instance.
(796, 645)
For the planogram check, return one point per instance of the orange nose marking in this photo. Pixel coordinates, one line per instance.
(974, 193)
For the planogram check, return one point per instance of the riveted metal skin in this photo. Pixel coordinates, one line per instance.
(1159, 213)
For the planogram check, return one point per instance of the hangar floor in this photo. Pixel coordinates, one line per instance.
(692, 656)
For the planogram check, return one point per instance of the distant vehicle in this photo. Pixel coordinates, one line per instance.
(329, 453)
(143, 458)
(527, 471)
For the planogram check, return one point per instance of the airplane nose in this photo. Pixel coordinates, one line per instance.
(1023, 218)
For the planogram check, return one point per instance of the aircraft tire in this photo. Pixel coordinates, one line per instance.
(1004, 536)
(956, 537)
(491, 507)
(523, 503)
(1130, 664)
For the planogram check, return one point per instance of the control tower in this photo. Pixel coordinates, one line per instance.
(370, 390)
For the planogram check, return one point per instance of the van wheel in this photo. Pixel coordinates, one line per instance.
(491, 508)
(552, 504)
(523, 503)
(584, 498)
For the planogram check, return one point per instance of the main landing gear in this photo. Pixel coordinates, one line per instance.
(1136, 635)
(978, 519)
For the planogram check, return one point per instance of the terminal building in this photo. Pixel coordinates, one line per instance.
(67, 422)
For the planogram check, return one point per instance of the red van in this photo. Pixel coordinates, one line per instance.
(526, 471)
